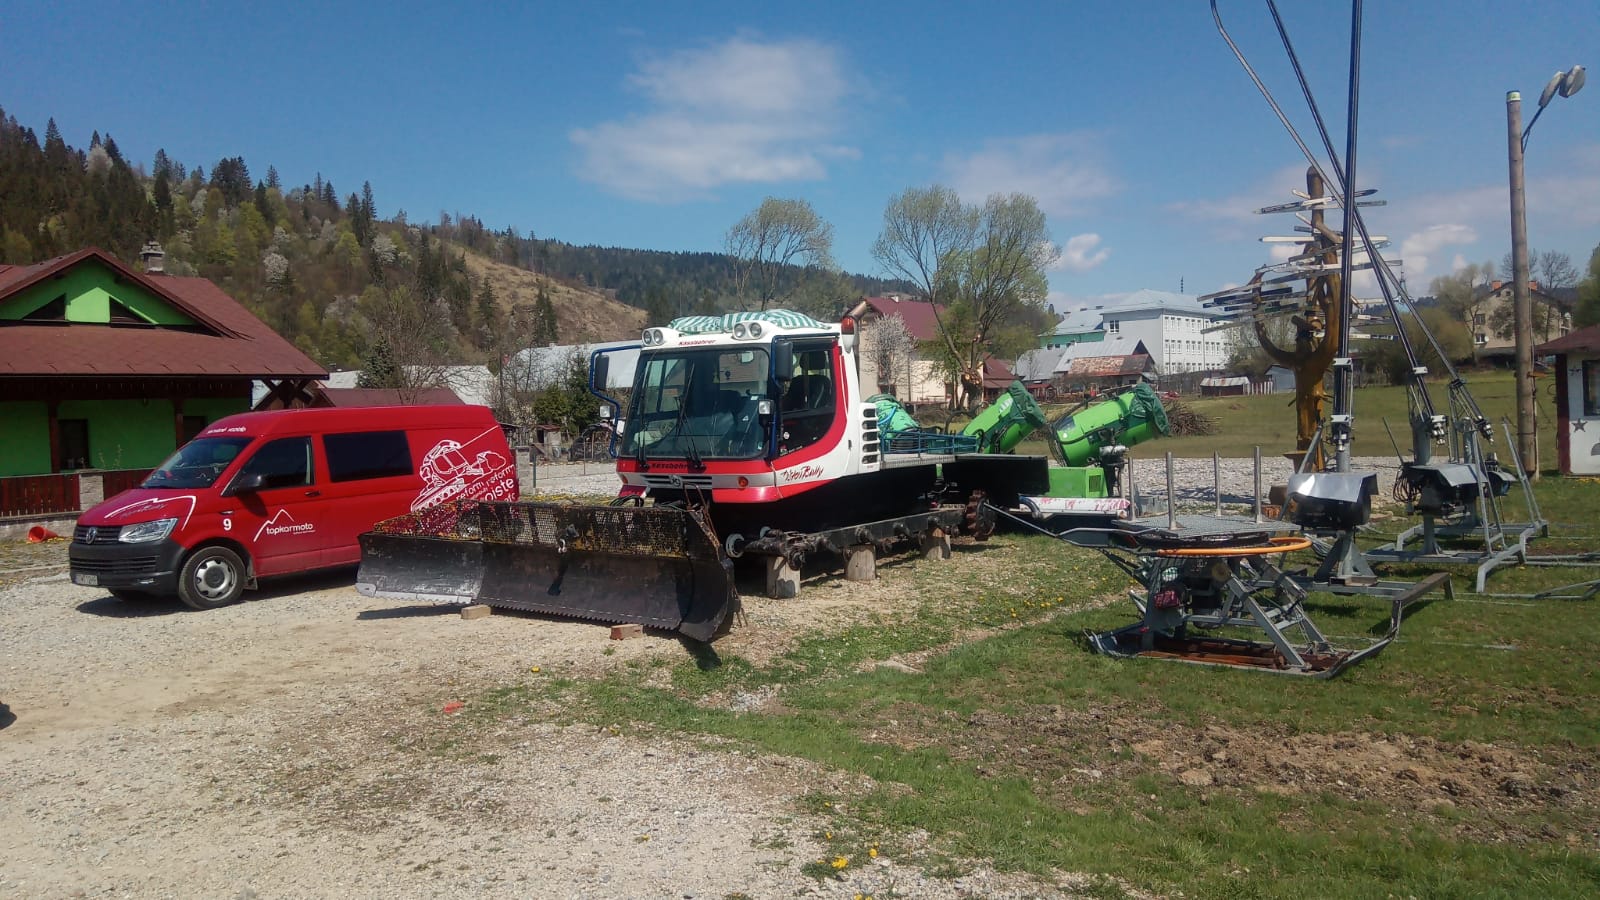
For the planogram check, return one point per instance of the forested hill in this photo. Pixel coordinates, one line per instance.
(323, 270)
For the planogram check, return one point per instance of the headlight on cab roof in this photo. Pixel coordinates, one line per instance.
(145, 532)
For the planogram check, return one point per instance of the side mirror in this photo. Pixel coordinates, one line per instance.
(783, 360)
(599, 371)
(247, 483)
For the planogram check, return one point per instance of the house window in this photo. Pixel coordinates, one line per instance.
(1591, 387)
(1113, 326)
(74, 444)
(192, 426)
(1478, 320)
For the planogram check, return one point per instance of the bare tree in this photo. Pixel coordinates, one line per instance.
(987, 264)
(778, 246)
(892, 349)
(921, 227)
(409, 342)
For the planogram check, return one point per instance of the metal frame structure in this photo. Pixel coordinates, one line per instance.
(1206, 578)
(1346, 567)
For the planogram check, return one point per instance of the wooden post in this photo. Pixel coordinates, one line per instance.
(783, 582)
(861, 563)
(50, 407)
(935, 544)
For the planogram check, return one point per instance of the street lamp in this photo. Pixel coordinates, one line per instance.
(1566, 84)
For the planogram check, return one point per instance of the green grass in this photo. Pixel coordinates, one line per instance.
(1024, 749)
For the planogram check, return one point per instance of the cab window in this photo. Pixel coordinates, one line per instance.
(285, 462)
(808, 403)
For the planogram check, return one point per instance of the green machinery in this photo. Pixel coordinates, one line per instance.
(1088, 445)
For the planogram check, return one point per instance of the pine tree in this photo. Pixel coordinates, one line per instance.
(163, 165)
(358, 222)
(272, 178)
(377, 367)
(544, 319)
(263, 205)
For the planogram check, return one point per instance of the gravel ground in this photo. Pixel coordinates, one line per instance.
(304, 743)
(298, 745)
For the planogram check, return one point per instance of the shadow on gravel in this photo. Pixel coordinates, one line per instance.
(704, 655)
(137, 608)
(143, 606)
(6, 716)
(417, 611)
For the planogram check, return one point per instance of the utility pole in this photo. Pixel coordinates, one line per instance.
(1564, 84)
(1521, 298)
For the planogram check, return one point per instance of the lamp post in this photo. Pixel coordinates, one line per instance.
(1566, 84)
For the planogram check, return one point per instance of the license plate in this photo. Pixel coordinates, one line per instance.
(85, 578)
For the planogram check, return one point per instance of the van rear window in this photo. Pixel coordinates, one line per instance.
(359, 455)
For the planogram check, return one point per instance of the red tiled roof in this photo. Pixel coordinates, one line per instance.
(1584, 340)
(918, 314)
(439, 396)
(996, 374)
(231, 342)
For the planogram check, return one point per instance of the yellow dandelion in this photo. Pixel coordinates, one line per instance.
(872, 852)
(534, 670)
(840, 862)
(827, 835)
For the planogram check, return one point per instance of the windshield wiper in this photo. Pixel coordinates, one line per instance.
(693, 453)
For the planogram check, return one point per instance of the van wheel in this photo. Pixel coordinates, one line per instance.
(212, 577)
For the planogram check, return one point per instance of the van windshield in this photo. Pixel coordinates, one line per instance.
(197, 464)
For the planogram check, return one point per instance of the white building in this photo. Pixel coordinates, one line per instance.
(1171, 326)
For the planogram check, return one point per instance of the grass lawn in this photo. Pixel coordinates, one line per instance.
(1463, 760)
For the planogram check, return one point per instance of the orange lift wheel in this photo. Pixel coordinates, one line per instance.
(1284, 544)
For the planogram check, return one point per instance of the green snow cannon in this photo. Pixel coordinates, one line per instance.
(1007, 422)
(1129, 418)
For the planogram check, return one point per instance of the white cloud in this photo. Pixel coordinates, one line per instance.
(1079, 254)
(1282, 252)
(742, 111)
(1416, 250)
(1240, 208)
(1065, 173)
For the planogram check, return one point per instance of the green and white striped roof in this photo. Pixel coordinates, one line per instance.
(780, 318)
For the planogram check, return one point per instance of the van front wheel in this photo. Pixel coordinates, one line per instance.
(212, 577)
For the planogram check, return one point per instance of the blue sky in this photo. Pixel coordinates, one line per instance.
(659, 125)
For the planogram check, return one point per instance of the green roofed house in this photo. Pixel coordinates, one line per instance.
(106, 368)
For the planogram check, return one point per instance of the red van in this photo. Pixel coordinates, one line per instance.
(274, 493)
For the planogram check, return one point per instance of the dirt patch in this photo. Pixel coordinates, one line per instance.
(21, 561)
(1506, 792)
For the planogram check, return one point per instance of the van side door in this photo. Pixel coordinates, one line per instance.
(371, 477)
(276, 507)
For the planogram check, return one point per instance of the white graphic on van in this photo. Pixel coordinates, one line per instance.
(153, 504)
(456, 471)
(283, 523)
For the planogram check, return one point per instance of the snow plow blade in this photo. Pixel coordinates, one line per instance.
(656, 566)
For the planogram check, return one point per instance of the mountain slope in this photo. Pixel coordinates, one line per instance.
(581, 315)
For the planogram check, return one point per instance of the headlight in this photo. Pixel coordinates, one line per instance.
(145, 532)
